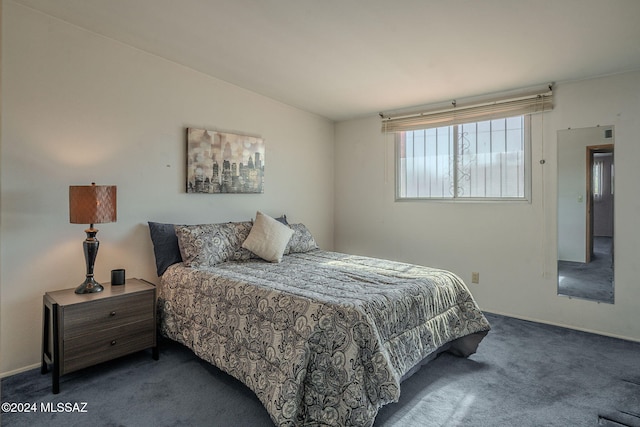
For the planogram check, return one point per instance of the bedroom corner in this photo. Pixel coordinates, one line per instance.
(78, 107)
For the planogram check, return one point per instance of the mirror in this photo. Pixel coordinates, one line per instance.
(585, 213)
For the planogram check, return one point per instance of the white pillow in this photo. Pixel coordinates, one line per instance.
(268, 238)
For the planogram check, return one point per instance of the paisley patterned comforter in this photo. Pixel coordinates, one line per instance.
(322, 338)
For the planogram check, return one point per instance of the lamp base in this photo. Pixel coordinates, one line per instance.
(89, 286)
(90, 248)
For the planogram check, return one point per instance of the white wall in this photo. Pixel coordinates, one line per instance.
(512, 245)
(77, 108)
(572, 197)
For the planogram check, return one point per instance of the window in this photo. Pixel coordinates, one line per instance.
(476, 149)
(484, 160)
(597, 179)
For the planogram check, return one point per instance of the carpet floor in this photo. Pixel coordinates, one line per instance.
(593, 281)
(524, 374)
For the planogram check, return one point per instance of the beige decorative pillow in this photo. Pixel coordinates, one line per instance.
(268, 238)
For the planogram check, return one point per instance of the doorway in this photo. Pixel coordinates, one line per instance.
(600, 174)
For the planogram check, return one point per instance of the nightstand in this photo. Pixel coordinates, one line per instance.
(81, 330)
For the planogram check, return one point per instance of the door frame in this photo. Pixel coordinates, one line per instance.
(590, 151)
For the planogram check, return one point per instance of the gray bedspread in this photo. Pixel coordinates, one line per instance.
(322, 338)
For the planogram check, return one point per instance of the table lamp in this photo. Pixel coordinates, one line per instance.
(91, 204)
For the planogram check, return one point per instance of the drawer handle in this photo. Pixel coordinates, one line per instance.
(113, 342)
(112, 314)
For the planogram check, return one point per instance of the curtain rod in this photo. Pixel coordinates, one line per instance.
(524, 94)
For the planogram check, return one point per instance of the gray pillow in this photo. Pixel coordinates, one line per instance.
(301, 241)
(210, 244)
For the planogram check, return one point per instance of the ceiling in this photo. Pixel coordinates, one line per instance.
(349, 58)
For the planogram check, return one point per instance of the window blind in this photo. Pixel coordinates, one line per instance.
(530, 103)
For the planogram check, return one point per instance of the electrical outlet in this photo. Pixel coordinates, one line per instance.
(475, 277)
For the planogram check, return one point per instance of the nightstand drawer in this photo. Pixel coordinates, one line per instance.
(87, 350)
(95, 316)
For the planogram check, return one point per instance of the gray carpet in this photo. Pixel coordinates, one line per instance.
(524, 374)
(592, 281)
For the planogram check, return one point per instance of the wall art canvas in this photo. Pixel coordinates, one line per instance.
(219, 162)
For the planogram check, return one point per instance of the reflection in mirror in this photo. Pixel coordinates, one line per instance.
(585, 213)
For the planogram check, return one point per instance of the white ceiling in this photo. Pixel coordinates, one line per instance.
(348, 58)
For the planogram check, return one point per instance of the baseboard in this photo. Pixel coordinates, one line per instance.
(545, 322)
(19, 370)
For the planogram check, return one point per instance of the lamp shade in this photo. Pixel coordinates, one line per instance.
(92, 204)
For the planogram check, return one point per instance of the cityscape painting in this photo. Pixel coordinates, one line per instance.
(219, 162)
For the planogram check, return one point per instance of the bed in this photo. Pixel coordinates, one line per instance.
(322, 338)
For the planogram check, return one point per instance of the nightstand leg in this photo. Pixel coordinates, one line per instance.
(45, 338)
(55, 388)
(155, 353)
